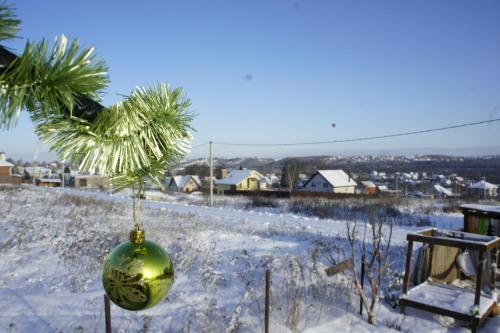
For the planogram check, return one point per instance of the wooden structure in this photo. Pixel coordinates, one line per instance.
(460, 303)
(481, 219)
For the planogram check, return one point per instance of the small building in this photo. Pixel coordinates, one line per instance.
(6, 176)
(333, 181)
(5, 167)
(442, 192)
(481, 219)
(368, 187)
(92, 181)
(36, 171)
(383, 189)
(48, 182)
(187, 183)
(239, 180)
(483, 189)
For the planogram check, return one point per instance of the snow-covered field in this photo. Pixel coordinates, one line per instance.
(53, 243)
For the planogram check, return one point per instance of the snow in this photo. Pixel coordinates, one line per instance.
(5, 164)
(482, 208)
(181, 181)
(3, 161)
(483, 185)
(442, 190)
(49, 180)
(452, 298)
(54, 241)
(337, 178)
(237, 176)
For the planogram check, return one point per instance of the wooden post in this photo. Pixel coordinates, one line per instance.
(406, 280)
(479, 278)
(362, 283)
(494, 259)
(211, 202)
(107, 313)
(431, 259)
(266, 309)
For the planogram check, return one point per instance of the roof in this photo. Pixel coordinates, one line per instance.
(337, 178)
(482, 208)
(237, 176)
(368, 183)
(90, 176)
(49, 180)
(483, 185)
(443, 190)
(4, 163)
(181, 181)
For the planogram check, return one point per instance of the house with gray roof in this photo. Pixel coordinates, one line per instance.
(332, 181)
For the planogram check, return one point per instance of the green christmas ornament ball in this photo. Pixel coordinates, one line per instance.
(138, 273)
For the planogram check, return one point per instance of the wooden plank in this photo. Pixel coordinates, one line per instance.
(434, 309)
(346, 264)
(479, 278)
(406, 280)
(463, 244)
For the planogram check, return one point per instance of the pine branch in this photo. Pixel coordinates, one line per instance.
(45, 81)
(9, 23)
(131, 140)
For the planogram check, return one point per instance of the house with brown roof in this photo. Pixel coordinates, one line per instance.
(6, 176)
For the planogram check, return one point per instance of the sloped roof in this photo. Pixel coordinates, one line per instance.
(483, 185)
(368, 183)
(337, 178)
(4, 163)
(483, 208)
(443, 190)
(237, 176)
(181, 181)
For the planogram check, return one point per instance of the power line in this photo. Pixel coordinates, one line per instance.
(200, 145)
(367, 138)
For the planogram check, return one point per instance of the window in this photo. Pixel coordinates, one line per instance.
(325, 185)
(313, 184)
(83, 182)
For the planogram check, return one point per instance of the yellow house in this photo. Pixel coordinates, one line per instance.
(91, 181)
(239, 180)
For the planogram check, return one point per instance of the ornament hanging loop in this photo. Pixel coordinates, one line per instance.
(137, 236)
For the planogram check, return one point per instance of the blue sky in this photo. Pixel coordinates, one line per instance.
(284, 71)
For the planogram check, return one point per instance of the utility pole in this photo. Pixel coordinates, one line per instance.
(397, 190)
(62, 173)
(484, 185)
(211, 176)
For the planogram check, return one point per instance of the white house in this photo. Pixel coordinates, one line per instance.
(483, 189)
(442, 192)
(187, 183)
(333, 181)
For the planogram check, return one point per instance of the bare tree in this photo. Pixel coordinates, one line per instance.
(290, 175)
(375, 259)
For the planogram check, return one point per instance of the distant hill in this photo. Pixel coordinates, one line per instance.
(469, 167)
